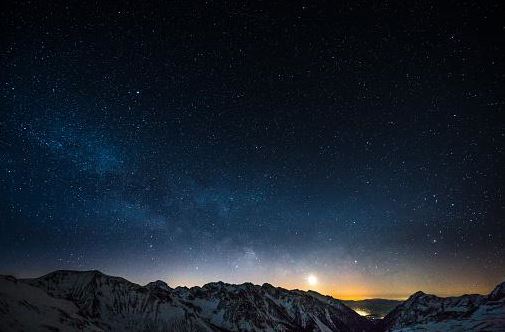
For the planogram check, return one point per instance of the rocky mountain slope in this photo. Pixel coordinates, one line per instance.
(424, 312)
(92, 301)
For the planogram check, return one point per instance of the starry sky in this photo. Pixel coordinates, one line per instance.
(356, 145)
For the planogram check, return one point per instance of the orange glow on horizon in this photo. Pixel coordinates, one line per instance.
(349, 290)
(347, 284)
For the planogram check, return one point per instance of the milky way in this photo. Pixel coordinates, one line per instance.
(361, 145)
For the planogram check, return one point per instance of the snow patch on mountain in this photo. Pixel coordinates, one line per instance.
(26, 308)
(93, 301)
(463, 313)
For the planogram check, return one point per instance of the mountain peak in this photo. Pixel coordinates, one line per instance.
(417, 295)
(158, 284)
(498, 292)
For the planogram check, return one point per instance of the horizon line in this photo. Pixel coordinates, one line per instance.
(392, 297)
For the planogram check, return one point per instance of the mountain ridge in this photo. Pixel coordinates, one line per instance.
(93, 301)
(468, 312)
(112, 303)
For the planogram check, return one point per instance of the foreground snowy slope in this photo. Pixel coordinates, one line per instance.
(26, 308)
(424, 312)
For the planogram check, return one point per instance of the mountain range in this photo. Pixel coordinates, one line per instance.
(93, 301)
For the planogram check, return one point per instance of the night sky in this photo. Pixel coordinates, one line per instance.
(359, 143)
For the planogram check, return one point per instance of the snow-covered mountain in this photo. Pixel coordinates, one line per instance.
(98, 303)
(92, 301)
(424, 312)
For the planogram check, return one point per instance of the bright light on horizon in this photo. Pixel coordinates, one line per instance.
(312, 280)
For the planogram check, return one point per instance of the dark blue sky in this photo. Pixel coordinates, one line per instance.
(201, 141)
